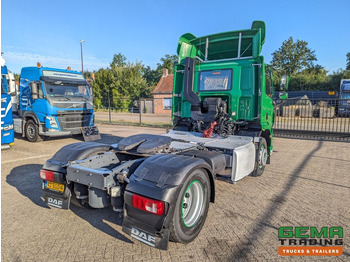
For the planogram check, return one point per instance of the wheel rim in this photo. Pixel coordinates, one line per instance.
(31, 130)
(192, 203)
(262, 156)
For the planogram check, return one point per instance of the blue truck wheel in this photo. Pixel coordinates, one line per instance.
(32, 131)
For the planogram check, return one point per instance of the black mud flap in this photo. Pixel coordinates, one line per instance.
(90, 133)
(156, 240)
(58, 202)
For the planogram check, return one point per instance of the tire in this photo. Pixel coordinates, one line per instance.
(32, 131)
(191, 207)
(261, 158)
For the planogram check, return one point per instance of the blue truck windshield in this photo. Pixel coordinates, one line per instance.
(70, 91)
(215, 80)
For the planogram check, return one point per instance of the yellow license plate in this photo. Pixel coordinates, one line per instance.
(55, 186)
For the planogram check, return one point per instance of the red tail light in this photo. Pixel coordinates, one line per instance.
(46, 175)
(148, 205)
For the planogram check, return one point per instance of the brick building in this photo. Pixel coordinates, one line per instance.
(162, 94)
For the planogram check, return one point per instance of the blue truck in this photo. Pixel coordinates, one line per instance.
(344, 98)
(52, 102)
(7, 134)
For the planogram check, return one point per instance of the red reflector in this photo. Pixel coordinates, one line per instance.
(46, 175)
(148, 205)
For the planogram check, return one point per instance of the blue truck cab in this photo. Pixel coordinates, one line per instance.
(7, 134)
(344, 98)
(52, 102)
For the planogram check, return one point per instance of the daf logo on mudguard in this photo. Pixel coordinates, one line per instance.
(54, 202)
(143, 237)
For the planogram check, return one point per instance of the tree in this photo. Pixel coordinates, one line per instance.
(16, 76)
(118, 60)
(88, 74)
(292, 57)
(167, 62)
(348, 61)
(310, 79)
(122, 84)
(152, 76)
(101, 86)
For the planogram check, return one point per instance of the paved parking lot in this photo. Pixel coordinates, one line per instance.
(307, 184)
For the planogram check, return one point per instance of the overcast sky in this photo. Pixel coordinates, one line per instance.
(146, 30)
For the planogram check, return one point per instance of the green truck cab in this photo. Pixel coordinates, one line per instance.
(227, 71)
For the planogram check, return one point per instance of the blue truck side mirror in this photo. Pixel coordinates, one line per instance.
(34, 90)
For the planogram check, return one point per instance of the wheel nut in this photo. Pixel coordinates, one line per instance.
(187, 195)
(184, 205)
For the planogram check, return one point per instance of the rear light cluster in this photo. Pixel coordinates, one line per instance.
(148, 205)
(46, 175)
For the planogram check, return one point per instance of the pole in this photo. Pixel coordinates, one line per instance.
(109, 106)
(81, 55)
(140, 105)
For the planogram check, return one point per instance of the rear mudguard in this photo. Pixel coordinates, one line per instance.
(58, 164)
(73, 152)
(159, 177)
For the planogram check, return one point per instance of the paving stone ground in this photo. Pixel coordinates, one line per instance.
(306, 184)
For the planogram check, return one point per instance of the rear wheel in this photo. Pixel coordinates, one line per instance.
(191, 207)
(32, 131)
(261, 157)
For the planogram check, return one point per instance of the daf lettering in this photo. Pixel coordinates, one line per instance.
(142, 235)
(54, 201)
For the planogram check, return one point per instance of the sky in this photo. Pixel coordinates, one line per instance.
(49, 32)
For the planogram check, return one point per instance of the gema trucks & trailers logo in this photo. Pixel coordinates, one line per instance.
(310, 241)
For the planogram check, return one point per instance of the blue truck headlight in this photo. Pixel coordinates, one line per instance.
(7, 128)
(52, 121)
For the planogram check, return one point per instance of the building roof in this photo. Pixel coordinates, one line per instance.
(165, 85)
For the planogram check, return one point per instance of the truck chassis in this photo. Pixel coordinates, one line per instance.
(163, 184)
(223, 117)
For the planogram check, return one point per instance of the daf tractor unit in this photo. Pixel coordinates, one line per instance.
(52, 102)
(7, 134)
(223, 115)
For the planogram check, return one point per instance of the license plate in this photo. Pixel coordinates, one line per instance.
(55, 186)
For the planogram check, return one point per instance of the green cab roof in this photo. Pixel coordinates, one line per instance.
(239, 44)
